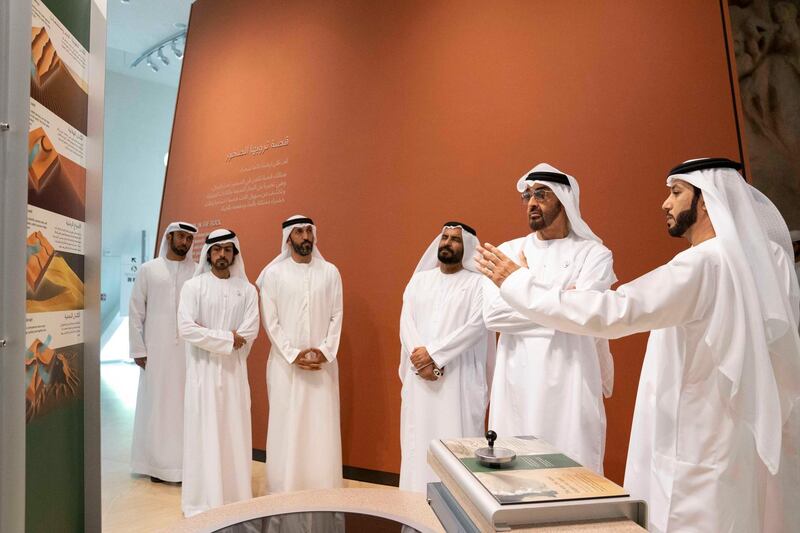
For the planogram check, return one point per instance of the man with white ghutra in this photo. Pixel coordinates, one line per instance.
(218, 320)
(156, 347)
(548, 382)
(301, 302)
(444, 351)
(720, 382)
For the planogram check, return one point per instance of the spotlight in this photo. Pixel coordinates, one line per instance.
(152, 65)
(175, 50)
(162, 57)
(155, 57)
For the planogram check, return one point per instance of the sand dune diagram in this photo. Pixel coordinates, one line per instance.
(53, 375)
(55, 182)
(54, 84)
(54, 279)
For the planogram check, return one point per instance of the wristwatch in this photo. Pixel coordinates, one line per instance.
(438, 372)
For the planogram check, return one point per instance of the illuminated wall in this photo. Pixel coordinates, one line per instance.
(381, 120)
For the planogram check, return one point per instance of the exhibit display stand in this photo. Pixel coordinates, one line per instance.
(541, 486)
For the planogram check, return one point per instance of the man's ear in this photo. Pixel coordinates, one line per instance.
(701, 203)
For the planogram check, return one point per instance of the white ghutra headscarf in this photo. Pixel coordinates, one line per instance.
(430, 259)
(751, 329)
(286, 248)
(175, 226)
(567, 191)
(221, 236)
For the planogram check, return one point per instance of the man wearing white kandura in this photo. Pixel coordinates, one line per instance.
(721, 374)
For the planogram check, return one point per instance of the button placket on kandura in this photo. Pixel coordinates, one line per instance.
(306, 306)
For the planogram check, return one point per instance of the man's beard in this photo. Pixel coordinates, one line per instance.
(452, 258)
(545, 219)
(304, 248)
(221, 263)
(684, 220)
(178, 251)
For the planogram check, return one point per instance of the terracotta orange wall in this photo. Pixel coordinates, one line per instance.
(402, 115)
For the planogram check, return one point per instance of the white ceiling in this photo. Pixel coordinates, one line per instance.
(135, 26)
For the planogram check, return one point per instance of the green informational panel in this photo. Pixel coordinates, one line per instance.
(54, 265)
(54, 484)
(74, 15)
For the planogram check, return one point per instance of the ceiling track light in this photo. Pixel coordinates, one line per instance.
(152, 65)
(162, 57)
(175, 50)
(158, 50)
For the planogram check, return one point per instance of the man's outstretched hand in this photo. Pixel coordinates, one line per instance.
(496, 265)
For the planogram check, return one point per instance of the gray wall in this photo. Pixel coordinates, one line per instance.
(15, 21)
(138, 127)
(92, 321)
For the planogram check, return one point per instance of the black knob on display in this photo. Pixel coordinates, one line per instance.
(491, 436)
